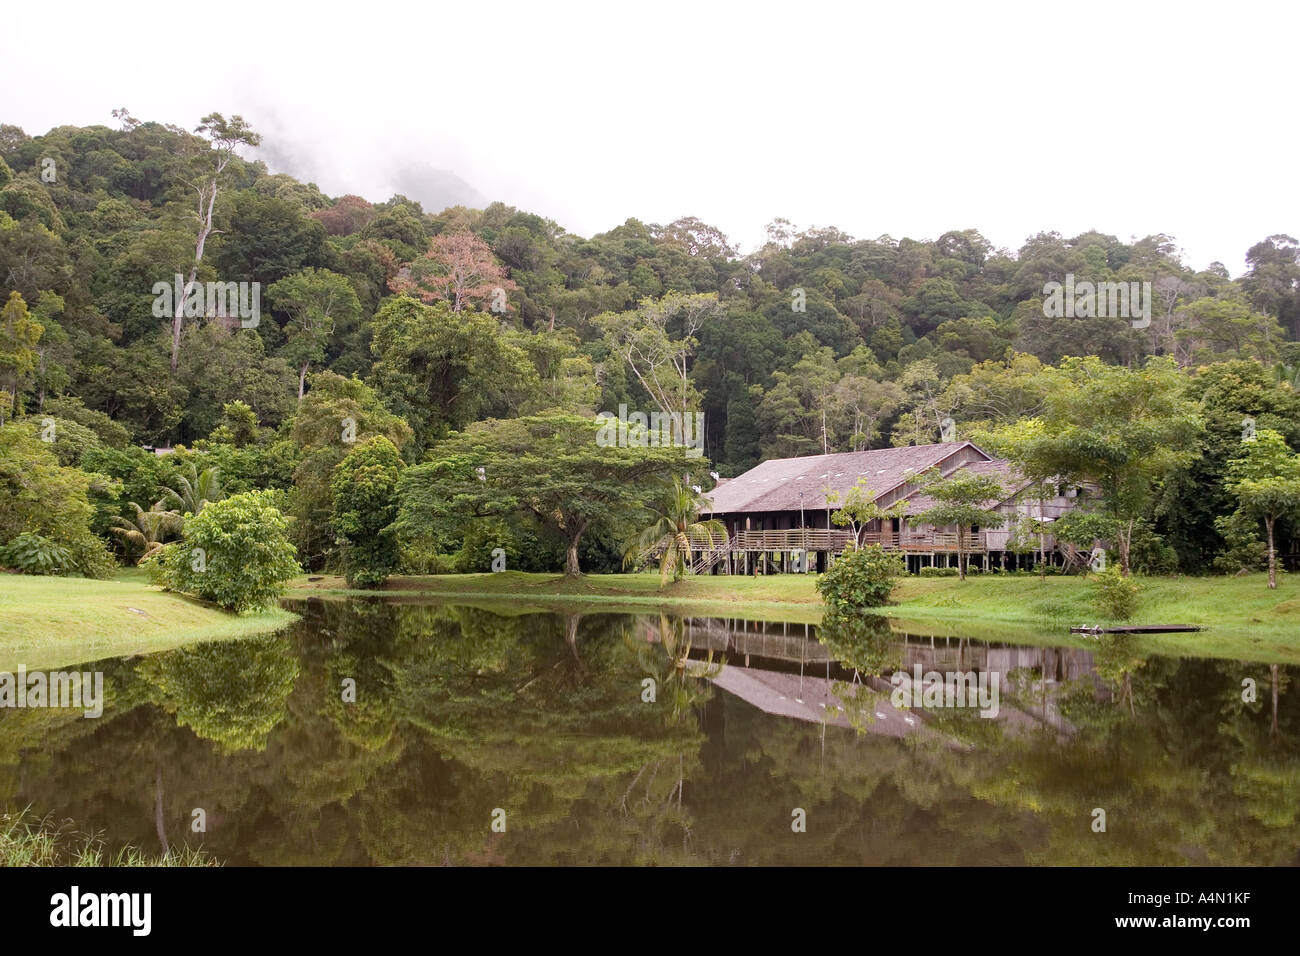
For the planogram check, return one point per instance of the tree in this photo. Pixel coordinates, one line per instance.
(188, 492)
(236, 554)
(225, 136)
(336, 413)
(796, 409)
(547, 468)
(19, 333)
(859, 508)
(149, 530)
(364, 489)
(1273, 282)
(1118, 428)
(458, 269)
(962, 499)
(657, 341)
(1225, 327)
(442, 370)
(238, 425)
(677, 531)
(929, 404)
(1265, 480)
(40, 496)
(317, 301)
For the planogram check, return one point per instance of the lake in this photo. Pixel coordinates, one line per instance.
(418, 733)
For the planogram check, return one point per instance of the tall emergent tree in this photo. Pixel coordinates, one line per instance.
(1265, 480)
(657, 342)
(458, 269)
(965, 499)
(225, 136)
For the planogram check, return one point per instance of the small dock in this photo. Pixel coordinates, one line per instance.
(1137, 629)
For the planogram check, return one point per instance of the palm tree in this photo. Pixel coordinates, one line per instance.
(676, 531)
(190, 491)
(150, 529)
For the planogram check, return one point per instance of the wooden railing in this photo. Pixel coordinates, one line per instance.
(702, 546)
(792, 539)
(923, 540)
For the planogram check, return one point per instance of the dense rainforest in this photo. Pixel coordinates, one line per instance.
(449, 338)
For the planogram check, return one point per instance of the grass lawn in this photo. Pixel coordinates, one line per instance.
(47, 623)
(776, 597)
(1244, 619)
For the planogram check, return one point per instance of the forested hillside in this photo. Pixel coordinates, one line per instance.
(415, 324)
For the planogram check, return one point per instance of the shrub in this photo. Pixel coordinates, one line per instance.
(1116, 595)
(32, 554)
(938, 572)
(860, 579)
(41, 497)
(236, 553)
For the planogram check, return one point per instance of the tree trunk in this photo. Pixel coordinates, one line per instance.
(571, 566)
(571, 634)
(1272, 669)
(1272, 554)
(302, 379)
(1125, 542)
(1042, 540)
(158, 810)
(961, 553)
(204, 230)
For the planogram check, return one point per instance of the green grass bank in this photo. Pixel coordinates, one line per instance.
(49, 622)
(1242, 617)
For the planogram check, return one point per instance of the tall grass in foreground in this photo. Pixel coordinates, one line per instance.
(28, 842)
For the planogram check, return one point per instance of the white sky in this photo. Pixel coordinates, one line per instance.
(906, 119)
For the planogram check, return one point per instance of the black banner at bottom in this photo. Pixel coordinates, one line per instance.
(230, 905)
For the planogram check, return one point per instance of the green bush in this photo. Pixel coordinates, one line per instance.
(937, 572)
(1117, 595)
(41, 497)
(32, 554)
(422, 557)
(860, 579)
(236, 553)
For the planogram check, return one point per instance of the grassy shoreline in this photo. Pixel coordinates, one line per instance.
(1242, 617)
(56, 622)
(49, 622)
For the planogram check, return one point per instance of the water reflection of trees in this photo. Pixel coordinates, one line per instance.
(233, 693)
(461, 710)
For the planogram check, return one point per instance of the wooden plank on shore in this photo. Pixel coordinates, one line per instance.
(1138, 629)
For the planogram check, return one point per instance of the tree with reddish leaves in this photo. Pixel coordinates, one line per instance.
(458, 269)
(348, 215)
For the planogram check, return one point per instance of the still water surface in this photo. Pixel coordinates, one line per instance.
(641, 739)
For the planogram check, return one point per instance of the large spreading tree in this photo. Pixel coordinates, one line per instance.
(546, 468)
(1120, 429)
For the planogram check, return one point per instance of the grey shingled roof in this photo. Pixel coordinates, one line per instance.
(775, 485)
